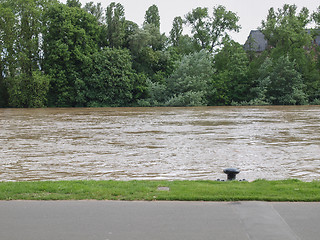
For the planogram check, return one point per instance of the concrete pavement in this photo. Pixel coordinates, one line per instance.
(116, 220)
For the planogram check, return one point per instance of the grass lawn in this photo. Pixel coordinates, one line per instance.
(260, 190)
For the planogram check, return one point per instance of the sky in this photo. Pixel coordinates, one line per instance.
(251, 12)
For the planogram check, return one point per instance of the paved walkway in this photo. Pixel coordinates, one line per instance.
(115, 220)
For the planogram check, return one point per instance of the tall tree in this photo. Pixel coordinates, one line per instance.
(29, 34)
(199, 20)
(22, 52)
(285, 29)
(176, 31)
(152, 17)
(147, 45)
(96, 10)
(152, 26)
(210, 31)
(70, 38)
(230, 81)
(7, 50)
(115, 25)
(316, 16)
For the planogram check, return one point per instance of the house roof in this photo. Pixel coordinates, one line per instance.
(256, 41)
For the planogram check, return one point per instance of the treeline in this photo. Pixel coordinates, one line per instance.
(69, 55)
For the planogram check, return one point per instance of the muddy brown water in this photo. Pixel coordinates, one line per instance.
(160, 143)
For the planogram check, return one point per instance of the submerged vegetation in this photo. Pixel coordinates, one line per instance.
(69, 55)
(261, 190)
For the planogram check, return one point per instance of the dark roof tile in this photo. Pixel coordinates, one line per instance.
(256, 41)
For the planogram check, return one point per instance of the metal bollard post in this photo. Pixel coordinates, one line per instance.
(231, 173)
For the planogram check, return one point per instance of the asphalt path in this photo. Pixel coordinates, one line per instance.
(118, 220)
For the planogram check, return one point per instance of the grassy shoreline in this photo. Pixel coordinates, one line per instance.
(260, 190)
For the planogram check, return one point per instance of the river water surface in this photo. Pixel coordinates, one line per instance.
(159, 143)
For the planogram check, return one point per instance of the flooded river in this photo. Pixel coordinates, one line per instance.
(160, 143)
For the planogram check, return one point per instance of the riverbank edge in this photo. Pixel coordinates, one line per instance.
(291, 190)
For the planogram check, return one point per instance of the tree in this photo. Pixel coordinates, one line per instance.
(280, 83)
(152, 17)
(287, 35)
(152, 26)
(153, 62)
(113, 81)
(28, 35)
(209, 32)
(21, 45)
(147, 47)
(70, 38)
(176, 31)
(285, 30)
(316, 16)
(199, 20)
(131, 29)
(230, 81)
(96, 10)
(74, 3)
(115, 25)
(188, 85)
(314, 94)
(156, 40)
(185, 46)
(7, 50)
(29, 91)
(222, 22)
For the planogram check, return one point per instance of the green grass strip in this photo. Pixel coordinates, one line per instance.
(260, 190)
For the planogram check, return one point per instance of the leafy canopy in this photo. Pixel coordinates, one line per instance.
(210, 31)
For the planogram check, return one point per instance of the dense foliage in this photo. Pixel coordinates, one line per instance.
(69, 55)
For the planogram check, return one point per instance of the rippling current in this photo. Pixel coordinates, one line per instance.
(159, 143)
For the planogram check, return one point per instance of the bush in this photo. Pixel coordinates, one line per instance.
(187, 99)
(29, 91)
(188, 85)
(280, 83)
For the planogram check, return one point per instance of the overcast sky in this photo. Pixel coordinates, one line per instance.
(251, 12)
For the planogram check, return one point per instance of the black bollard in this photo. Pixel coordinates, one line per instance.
(231, 173)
